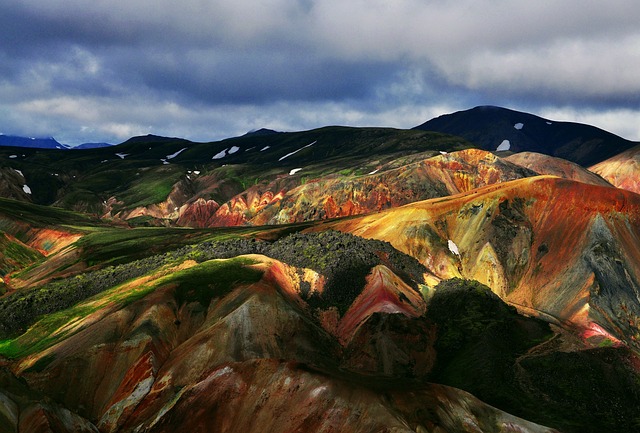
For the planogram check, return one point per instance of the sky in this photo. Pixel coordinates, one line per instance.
(106, 70)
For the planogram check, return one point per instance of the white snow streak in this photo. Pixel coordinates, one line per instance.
(26, 189)
(233, 149)
(173, 155)
(122, 155)
(453, 247)
(296, 151)
(374, 171)
(518, 125)
(220, 154)
(294, 171)
(264, 148)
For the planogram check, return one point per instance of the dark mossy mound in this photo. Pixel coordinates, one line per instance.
(484, 347)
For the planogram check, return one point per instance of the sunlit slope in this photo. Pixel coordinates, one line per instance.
(438, 176)
(545, 164)
(622, 170)
(565, 249)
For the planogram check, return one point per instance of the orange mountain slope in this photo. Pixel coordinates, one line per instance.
(565, 249)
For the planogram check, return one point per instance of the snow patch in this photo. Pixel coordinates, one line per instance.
(264, 148)
(164, 161)
(222, 372)
(294, 171)
(296, 151)
(26, 189)
(196, 172)
(220, 154)
(442, 152)
(18, 171)
(374, 171)
(549, 123)
(518, 125)
(13, 156)
(103, 161)
(122, 155)
(505, 145)
(173, 155)
(317, 391)
(233, 149)
(453, 247)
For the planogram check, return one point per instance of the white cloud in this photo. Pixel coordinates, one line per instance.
(209, 69)
(622, 122)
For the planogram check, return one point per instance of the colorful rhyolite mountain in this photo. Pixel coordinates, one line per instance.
(622, 170)
(339, 279)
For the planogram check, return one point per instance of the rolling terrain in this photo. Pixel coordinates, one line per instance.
(338, 279)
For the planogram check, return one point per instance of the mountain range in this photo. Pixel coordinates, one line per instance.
(478, 273)
(43, 143)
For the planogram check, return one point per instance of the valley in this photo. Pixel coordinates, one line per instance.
(337, 279)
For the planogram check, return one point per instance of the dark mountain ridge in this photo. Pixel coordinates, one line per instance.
(488, 127)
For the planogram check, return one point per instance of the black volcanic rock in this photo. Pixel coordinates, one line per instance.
(488, 127)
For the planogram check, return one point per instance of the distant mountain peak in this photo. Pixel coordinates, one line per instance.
(261, 131)
(31, 142)
(490, 128)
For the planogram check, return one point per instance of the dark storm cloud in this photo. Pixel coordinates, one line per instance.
(114, 67)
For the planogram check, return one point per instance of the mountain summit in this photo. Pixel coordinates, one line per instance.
(495, 128)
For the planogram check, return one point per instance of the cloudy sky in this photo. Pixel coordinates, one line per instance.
(105, 70)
